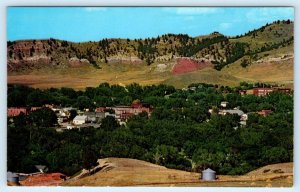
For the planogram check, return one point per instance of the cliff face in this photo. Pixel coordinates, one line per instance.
(32, 54)
(27, 54)
(216, 48)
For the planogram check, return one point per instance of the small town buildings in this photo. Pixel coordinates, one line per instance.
(15, 111)
(208, 175)
(80, 119)
(122, 113)
(262, 91)
(264, 112)
(94, 117)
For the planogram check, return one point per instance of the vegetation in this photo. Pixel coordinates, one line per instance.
(180, 133)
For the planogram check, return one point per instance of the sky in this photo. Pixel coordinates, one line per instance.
(80, 24)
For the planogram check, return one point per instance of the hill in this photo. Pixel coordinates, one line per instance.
(132, 172)
(155, 60)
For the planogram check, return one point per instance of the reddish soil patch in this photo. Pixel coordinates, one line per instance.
(185, 65)
(45, 179)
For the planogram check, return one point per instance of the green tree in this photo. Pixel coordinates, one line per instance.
(109, 123)
(43, 117)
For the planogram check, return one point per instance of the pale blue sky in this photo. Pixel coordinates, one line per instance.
(80, 24)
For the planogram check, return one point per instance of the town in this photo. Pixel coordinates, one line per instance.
(140, 122)
(71, 117)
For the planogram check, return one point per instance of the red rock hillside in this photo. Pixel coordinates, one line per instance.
(185, 65)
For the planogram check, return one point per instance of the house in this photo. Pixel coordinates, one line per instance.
(122, 113)
(100, 109)
(283, 90)
(80, 119)
(60, 120)
(106, 114)
(15, 111)
(244, 117)
(224, 104)
(242, 92)
(231, 111)
(264, 112)
(35, 108)
(12, 178)
(94, 117)
(70, 127)
(262, 91)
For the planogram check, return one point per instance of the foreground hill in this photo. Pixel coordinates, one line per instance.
(165, 59)
(132, 172)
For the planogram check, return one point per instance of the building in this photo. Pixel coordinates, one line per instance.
(244, 117)
(262, 91)
(35, 108)
(13, 178)
(283, 90)
(208, 175)
(15, 111)
(100, 109)
(122, 113)
(94, 117)
(80, 119)
(224, 104)
(242, 92)
(231, 111)
(264, 112)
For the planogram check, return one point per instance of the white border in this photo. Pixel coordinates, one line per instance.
(3, 84)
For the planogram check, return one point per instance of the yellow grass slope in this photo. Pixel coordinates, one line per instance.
(207, 75)
(132, 172)
(276, 66)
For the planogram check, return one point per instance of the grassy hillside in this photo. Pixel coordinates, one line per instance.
(275, 66)
(131, 172)
(247, 57)
(206, 76)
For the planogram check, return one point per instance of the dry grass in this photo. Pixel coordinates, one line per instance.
(79, 78)
(281, 72)
(131, 172)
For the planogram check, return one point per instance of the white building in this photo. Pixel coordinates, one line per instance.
(80, 119)
(231, 111)
(224, 104)
(244, 117)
